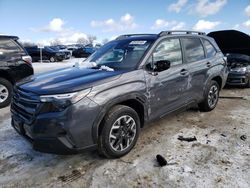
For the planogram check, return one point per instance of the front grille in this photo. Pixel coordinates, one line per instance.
(25, 105)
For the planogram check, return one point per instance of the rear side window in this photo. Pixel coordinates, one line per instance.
(209, 48)
(9, 49)
(194, 49)
(169, 49)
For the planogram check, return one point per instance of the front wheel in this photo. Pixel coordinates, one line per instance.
(121, 127)
(211, 97)
(5, 92)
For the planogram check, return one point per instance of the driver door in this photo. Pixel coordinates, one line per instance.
(167, 90)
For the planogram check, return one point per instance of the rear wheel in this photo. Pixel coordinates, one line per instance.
(52, 59)
(211, 97)
(121, 127)
(5, 92)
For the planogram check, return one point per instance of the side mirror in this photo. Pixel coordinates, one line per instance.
(162, 65)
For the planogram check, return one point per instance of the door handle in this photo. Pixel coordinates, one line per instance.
(183, 72)
(209, 64)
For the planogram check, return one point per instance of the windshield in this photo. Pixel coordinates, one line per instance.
(119, 54)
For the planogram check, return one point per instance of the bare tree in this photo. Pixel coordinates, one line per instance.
(91, 39)
(83, 41)
(55, 42)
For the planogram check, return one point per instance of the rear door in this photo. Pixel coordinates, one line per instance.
(166, 89)
(197, 66)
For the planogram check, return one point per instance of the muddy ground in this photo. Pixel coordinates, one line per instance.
(219, 158)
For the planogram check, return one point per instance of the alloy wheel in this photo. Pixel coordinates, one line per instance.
(213, 96)
(122, 133)
(4, 93)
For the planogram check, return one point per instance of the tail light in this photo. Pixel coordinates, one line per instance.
(27, 59)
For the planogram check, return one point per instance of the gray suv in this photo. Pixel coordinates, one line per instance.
(104, 102)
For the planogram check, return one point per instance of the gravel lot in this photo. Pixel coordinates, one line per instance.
(219, 158)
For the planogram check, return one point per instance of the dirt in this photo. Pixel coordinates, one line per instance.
(220, 157)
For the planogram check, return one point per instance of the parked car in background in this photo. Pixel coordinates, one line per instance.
(67, 53)
(47, 54)
(72, 48)
(83, 52)
(236, 46)
(97, 46)
(15, 64)
(126, 84)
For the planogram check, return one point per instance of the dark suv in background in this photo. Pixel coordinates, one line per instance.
(15, 64)
(123, 86)
(47, 54)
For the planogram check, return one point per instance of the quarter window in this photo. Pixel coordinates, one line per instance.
(169, 49)
(8, 48)
(194, 49)
(209, 48)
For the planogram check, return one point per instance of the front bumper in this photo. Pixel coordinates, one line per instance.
(66, 132)
(238, 78)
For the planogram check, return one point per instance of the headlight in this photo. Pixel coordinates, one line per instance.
(240, 69)
(66, 97)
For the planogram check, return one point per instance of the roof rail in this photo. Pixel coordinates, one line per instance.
(132, 35)
(9, 36)
(163, 33)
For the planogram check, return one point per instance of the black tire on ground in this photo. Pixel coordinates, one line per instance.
(112, 119)
(5, 84)
(248, 84)
(205, 105)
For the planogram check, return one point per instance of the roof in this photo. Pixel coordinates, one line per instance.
(138, 37)
(232, 41)
(8, 37)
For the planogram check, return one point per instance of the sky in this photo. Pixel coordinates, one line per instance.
(43, 21)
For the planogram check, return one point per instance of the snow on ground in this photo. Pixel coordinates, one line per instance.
(219, 158)
(45, 66)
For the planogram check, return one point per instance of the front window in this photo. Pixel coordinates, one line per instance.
(120, 54)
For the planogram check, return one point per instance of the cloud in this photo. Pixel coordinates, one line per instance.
(66, 39)
(179, 26)
(246, 24)
(164, 24)
(205, 8)
(247, 10)
(65, 35)
(205, 25)
(125, 23)
(236, 26)
(176, 7)
(55, 25)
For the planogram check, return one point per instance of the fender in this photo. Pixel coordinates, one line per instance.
(118, 100)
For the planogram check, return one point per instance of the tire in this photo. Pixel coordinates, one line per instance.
(248, 84)
(115, 142)
(211, 97)
(5, 92)
(52, 59)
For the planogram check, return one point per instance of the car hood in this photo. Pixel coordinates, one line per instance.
(67, 80)
(232, 41)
